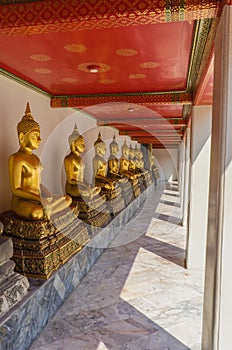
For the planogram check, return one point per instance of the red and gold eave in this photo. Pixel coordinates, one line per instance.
(50, 44)
(54, 41)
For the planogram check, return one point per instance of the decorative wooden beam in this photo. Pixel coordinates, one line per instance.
(155, 140)
(36, 17)
(155, 133)
(144, 99)
(142, 122)
(154, 146)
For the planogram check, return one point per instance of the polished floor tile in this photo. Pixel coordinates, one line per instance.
(138, 295)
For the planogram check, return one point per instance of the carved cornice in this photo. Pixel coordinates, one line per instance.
(36, 17)
(199, 51)
(147, 98)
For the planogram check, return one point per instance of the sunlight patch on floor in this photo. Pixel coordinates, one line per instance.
(167, 294)
(167, 232)
(102, 346)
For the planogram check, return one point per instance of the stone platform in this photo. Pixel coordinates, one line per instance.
(13, 286)
(22, 324)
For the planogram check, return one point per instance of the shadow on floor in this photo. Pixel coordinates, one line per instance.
(173, 204)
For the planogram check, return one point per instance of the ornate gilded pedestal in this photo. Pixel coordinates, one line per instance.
(114, 200)
(93, 212)
(40, 247)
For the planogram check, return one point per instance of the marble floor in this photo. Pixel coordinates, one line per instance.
(138, 295)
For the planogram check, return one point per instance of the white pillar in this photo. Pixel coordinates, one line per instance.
(182, 176)
(217, 315)
(180, 166)
(199, 186)
(185, 204)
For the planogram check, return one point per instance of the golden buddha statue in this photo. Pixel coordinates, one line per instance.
(92, 208)
(31, 200)
(125, 163)
(109, 187)
(113, 173)
(113, 163)
(139, 161)
(126, 171)
(100, 166)
(154, 169)
(148, 179)
(133, 161)
(74, 167)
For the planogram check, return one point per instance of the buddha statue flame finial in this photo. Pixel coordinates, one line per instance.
(99, 139)
(27, 123)
(124, 146)
(113, 142)
(75, 134)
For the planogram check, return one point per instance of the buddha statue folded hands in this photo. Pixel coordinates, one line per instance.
(31, 200)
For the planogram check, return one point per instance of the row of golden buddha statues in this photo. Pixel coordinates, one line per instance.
(47, 229)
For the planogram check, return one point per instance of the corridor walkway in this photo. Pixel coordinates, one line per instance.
(138, 295)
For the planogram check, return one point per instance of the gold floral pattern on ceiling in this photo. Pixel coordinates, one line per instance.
(69, 80)
(149, 64)
(103, 67)
(107, 81)
(75, 48)
(126, 52)
(43, 70)
(40, 57)
(137, 76)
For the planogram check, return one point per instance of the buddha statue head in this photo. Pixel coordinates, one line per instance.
(131, 152)
(114, 147)
(100, 146)
(76, 141)
(28, 131)
(125, 149)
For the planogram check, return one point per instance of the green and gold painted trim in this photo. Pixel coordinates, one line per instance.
(146, 98)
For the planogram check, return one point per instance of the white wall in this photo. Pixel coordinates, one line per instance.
(185, 203)
(199, 186)
(167, 162)
(56, 125)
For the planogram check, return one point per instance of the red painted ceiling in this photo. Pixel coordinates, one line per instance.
(143, 61)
